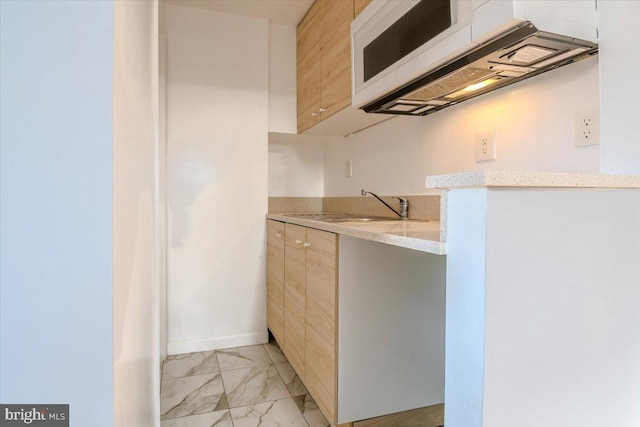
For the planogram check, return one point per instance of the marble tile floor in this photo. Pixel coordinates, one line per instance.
(238, 387)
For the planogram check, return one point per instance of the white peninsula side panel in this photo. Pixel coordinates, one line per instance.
(466, 260)
(562, 343)
(391, 305)
(546, 330)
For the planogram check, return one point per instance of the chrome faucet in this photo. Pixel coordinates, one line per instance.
(404, 204)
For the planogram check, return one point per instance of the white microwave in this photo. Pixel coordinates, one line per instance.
(395, 41)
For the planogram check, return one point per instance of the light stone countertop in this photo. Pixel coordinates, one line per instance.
(531, 179)
(421, 236)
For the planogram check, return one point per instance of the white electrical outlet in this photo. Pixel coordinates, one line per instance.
(587, 128)
(486, 145)
(348, 169)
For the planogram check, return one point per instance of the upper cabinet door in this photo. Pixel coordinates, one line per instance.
(308, 68)
(324, 61)
(359, 6)
(335, 55)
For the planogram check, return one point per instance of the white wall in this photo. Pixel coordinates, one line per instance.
(161, 189)
(296, 162)
(217, 124)
(534, 122)
(282, 78)
(296, 166)
(619, 90)
(136, 215)
(56, 82)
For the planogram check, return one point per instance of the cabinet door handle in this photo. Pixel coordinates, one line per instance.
(307, 245)
(314, 114)
(278, 234)
(322, 110)
(298, 242)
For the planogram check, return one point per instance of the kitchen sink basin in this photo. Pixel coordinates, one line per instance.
(341, 217)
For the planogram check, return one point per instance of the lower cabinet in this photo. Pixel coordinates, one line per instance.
(275, 279)
(308, 336)
(295, 296)
(321, 315)
(361, 322)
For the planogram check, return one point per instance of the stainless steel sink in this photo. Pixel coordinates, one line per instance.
(341, 217)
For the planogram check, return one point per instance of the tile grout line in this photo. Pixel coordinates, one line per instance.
(246, 367)
(220, 371)
(229, 370)
(214, 373)
(285, 384)
(224, 389)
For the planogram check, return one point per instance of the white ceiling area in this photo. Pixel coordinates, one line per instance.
(285, 12)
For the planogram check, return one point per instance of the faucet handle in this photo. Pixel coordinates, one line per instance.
(404, 207)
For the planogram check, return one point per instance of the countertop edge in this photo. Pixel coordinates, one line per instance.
(352, 230)
(532, 179)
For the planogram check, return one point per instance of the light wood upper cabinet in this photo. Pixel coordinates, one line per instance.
(335, 55)
(359, 5)
(275, 278)
(308, 68)
(324, 61)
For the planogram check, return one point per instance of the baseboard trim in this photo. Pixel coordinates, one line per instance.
(208, 344)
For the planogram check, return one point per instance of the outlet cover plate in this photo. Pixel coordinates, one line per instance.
(587, 128)
(486, 145)
(348, 169)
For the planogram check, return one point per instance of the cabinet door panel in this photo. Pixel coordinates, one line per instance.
(309, 117)
(335, 55)
(275, 279)
(320, 363)
(275, 234)
(359, 6)
(294, 346)
(294, 297)
(308, 84)
(321, 284)
(321, 319)
(275, 292)
(308, 64)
